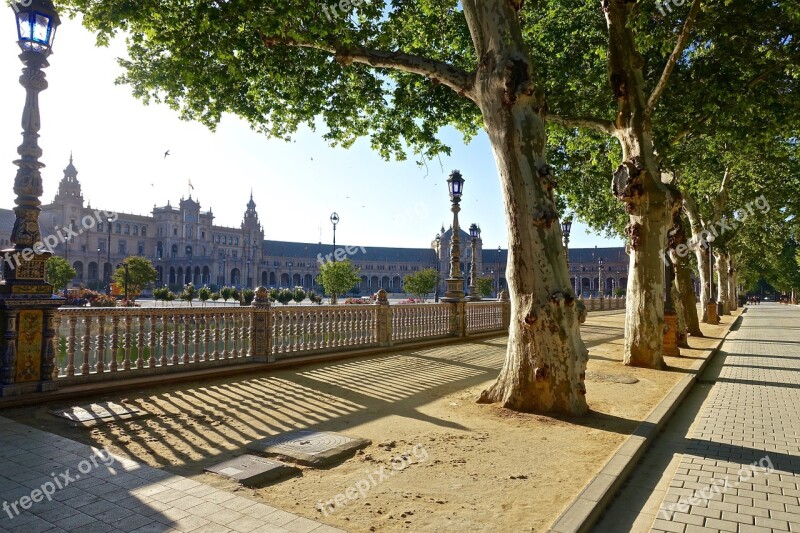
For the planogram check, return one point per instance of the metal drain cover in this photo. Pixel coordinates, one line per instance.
(252, 471)
(309, 447)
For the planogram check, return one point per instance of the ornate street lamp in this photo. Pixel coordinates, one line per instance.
(600, 285)
(438, 268)
(474, 232)
(499, 250)
(106, 277)
(566, 227)
(27, 303)
(455, 283)
(334, 221)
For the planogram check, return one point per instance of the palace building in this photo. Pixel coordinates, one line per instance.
(186, 245)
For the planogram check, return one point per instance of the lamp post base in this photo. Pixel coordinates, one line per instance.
(671, 334)
(455, 292)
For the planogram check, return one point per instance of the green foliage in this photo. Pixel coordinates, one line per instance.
(314, 297)
(485, 286)
(141, 273)
(247, 296)
(236, 294)
(285, 296)
(59, 272)
(215, 296)
(273, 294)
(170, 297)
(189, 293)
(299, 294)
(421, 283)
(226, 293)
(204, 294)
(338, 277)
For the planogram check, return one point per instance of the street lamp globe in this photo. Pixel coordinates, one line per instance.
(455, 184)
(36, 26)
(334, 218)
(473, 231)
(566, 227)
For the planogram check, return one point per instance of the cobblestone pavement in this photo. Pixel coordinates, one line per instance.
(730, 460)
(52, 484)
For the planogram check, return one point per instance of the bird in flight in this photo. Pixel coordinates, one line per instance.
(166, 154)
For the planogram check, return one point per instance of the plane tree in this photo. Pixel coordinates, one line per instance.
(625, 73)
(396, 72)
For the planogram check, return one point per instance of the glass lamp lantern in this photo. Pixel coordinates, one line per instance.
(473, 231)
(37, 21)
(455, 184)
(566, 227)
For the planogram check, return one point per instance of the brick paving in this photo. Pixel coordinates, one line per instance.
(111, 494)
(731, 459)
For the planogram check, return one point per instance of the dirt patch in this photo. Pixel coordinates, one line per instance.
(465, 466)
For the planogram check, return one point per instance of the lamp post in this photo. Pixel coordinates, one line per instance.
(27, 303)
(98, 267)
(499, 250)
(334, 221)
(455, 283)
(107, 278)
(224, 268)
(600, 285)
(566, 227)
(438, 268)
(473, 233)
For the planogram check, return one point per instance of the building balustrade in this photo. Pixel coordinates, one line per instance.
(98, 344)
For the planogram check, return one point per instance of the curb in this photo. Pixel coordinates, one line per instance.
(586, 509)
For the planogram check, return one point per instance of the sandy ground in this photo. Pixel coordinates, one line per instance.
(468, 467)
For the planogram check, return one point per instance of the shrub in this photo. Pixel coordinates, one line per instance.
(214, 296)
(298, 295)
(247, 296)
(204, 294)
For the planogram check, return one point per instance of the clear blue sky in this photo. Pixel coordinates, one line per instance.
(119, 143)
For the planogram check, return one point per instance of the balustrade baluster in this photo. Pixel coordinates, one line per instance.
(151, 362)
(100, 346)
(140, 341)
(215, 318)
(235, 318)
(164, 339)
(86, 344)
(197, 327)
(176, 338)
(127, 344)
(207, 335)
(56, 318)
(187, 338)
(73, 323)
(227, 338)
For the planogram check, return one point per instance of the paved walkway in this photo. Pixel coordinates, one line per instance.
(52, 484)
(730, 459)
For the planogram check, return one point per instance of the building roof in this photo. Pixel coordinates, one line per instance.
(373, 253)
(576, 255)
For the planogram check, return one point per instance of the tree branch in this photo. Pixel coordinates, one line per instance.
(603, 126)
(673, 58)
(439, 72)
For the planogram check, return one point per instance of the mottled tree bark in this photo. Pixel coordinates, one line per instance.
(545, 363)
(637, 183)
(700, 248)
(723, 285)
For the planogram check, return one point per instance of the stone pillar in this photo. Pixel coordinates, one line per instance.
(384, 322)
(261, 327)
(458, 319)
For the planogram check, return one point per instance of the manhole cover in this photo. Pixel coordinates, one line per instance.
(252, 471)
(99, 412)
(309, 447)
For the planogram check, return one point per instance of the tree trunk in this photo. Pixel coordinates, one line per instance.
(732, 294)
(637, 183)
(545, 363)
(687, 311)
(700, 248)
(722, 281)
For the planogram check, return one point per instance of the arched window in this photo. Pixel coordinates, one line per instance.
(237, 241)
(127, 229)
(135, 229)
(118, 228)
(144, 231)
(174, 250)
